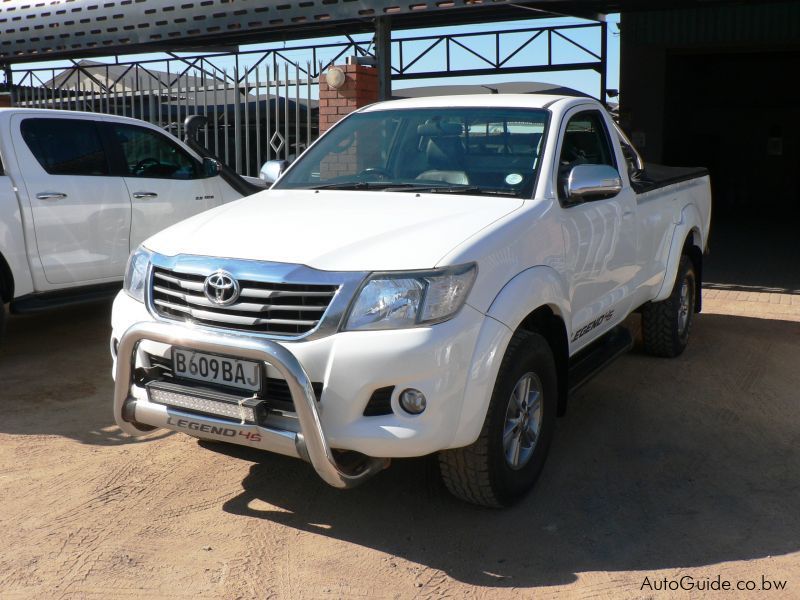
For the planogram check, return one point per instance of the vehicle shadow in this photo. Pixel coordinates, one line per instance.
(55, 376)
(658, 464)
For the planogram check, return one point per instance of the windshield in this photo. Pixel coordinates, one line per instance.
(491, 151)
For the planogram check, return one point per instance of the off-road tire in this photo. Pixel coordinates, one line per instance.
(662, 332)
(3, 318)
(479, 473)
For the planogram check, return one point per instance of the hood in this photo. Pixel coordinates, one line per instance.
(336, 230)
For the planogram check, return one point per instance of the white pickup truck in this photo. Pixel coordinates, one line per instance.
(79, 191)
(431, 276)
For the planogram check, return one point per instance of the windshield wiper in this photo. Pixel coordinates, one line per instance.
(460, 189)
(387, 186)
(345, 185)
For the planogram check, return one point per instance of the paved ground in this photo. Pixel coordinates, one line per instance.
(662, 468)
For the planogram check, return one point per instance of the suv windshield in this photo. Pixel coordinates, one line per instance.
(488, 151)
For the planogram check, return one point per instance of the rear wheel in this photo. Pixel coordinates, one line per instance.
(506, 459)
(666, 324)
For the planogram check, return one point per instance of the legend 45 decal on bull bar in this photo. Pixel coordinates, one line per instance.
(212, 429)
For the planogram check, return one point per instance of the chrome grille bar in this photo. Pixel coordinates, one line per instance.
(195, 286)
(228, 318)
(245, 306)
(256, 293)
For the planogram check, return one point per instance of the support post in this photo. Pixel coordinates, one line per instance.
(603, 62)
(383, 52)
(9, 74)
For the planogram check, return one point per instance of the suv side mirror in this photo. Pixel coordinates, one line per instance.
(272, 169)
(211, 167)
(593, 182)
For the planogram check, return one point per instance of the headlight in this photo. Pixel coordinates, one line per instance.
(395, 301)
(136, 273)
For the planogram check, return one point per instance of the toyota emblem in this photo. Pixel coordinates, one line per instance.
(221, 288)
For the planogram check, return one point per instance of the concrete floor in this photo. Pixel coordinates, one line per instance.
(661, 468)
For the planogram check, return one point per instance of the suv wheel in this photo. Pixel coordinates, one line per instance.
(666, 324)
(506, 459)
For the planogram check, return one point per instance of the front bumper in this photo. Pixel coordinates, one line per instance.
(309, 444)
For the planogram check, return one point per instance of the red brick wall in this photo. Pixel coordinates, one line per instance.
(360, 88)
(5, 100)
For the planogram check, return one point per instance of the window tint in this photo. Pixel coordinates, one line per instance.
(151, 154)
(66, 146)
(585, 143)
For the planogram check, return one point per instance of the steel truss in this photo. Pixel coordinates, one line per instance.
(528, 50)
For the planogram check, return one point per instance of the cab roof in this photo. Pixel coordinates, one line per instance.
(540, 101)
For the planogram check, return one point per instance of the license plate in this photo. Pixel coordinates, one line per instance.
(222, 370)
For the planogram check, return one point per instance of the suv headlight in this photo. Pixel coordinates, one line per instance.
(136, 273)
(399, 300)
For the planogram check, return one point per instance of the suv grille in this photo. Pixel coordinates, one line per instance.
(288, 309)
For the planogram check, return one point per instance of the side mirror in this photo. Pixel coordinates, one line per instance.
(593, 182)
(191, 125)
(211, 167)
(272, 169)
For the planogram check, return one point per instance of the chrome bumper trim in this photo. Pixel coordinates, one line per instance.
(311, 444)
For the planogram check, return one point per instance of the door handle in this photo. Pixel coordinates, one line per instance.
(51, 195)
(145, 195)
(627, 214)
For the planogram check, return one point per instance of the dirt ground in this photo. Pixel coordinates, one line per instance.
(661, 469)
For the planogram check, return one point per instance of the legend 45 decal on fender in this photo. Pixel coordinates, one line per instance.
(593, 325)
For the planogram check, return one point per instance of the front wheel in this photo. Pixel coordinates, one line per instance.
(506, 459)
(666, 324)
(3, 314)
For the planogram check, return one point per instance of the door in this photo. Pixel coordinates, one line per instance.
(81, 213)
(165, 183)
(599, 235)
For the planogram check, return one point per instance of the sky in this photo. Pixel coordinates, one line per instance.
(585, 81)
(588, 82)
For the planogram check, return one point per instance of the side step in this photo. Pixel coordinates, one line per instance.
(62, 298)
(590, 361)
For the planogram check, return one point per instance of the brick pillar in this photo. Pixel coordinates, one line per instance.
(5, 100)
(360, 88)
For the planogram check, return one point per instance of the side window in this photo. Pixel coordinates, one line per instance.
(151, 154)
(66, 146)
(585, 143)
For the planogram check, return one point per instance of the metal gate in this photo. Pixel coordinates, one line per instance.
(254, 112)
(262, 104)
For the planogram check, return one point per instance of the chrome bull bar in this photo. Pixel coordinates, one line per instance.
(311, 444)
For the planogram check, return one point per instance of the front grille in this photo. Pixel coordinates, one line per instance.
(276, 391)
(284, 309)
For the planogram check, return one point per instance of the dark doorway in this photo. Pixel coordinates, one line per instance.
(739, 115)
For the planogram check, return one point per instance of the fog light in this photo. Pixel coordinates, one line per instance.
(413, 401)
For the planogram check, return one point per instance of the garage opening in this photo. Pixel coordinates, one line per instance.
(738, 114)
